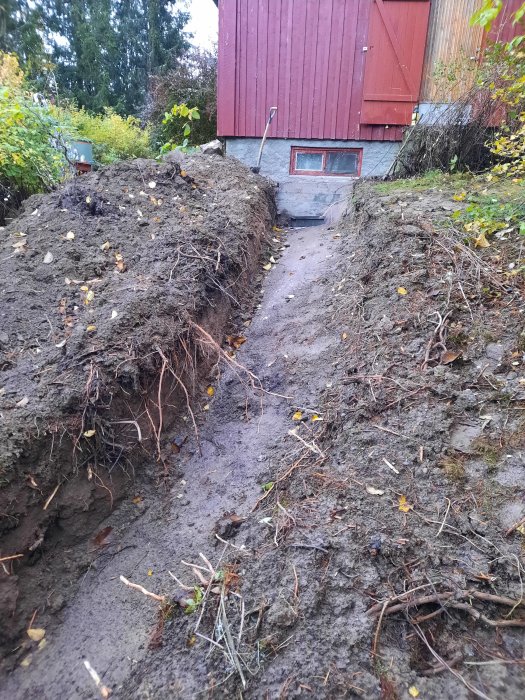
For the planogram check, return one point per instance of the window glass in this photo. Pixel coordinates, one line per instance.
(338, 162)
(309, 161)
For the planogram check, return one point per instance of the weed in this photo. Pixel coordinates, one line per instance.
(194, 602)
(454, 468)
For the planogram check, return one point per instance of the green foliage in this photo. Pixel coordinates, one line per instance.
(31, 143)
(192, 81)
(508, 93)
(114, 137)
(489, 212)
(429, 180)
(182, 118)
(194, 602)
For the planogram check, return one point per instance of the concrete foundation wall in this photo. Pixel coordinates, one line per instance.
(310, 195)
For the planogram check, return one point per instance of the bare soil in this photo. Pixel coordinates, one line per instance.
(364, 532)
(108, 286)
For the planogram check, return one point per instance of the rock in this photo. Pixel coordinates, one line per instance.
(281, 614)
(466, 399)
(495, 351)
(212, 148)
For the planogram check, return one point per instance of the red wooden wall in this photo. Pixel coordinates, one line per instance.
(503, 29)
(304, 57)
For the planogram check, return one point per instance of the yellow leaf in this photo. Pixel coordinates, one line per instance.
(277, 229)
(137, 500)
(481, 241)
(297, 415)
(90, 296)
(267, 267)
(210, 391)
(344, 336)
(36, 633)
(150, 572)
(206, 407)
(26, 662)
(404, 507)
(41, 644)
(402, 291)
(459, 197)
(316, 417)
(89, 433)
(70, 235)
(91, 328)
(84, 288)
(521, 529)
(413, 691)
(183, 173)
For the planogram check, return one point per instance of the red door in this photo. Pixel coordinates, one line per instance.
(394, 61)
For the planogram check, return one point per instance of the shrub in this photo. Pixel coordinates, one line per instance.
(114, 137)
(31, 157)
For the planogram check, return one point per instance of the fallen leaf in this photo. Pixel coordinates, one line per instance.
(457, 198)
(297, 415)
(344, 336)
(402, 291)
(481, 241)
(277, 229)
(449, 356)
(83, 288)
(70, 235)
(105, 246)
(268, 486)
(183, 173)
(273, 260)
(89, 433)
(19, 245)
(36, 633)
(48, 258)
(235, 341)
(404, 507)
(101, 539)
(88, 200)
(114, 314)
(413, 691)
(27, 661)
(210, 391)
(137, 500)
(23, 402)
(89, 296)
(315, 417)
(374, 492)
(150, 572)
(152, 184)
(521, 529)
(206, 407)
(42, 644)
(267, 267)
(61, 344)
(91, 328)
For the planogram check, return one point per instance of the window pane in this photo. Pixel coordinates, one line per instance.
(309, 161)
(343, 163)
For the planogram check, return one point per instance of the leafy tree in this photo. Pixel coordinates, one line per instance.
(21, 29)
(193, 81)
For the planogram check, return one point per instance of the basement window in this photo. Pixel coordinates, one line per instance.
(343, 162)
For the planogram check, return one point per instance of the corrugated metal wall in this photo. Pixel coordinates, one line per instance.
(303, 56)
(451, 42)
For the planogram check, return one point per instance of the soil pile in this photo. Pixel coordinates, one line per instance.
(109, 286)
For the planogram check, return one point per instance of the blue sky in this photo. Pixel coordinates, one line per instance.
(203, 22)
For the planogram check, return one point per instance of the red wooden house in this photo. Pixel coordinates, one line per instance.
(345, 77)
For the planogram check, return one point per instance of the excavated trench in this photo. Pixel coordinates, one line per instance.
(148, 534)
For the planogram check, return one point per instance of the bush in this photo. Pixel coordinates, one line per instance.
(114, 137)
(31, 157)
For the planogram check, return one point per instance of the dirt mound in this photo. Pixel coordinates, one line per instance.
(109, 286)
(383, 558)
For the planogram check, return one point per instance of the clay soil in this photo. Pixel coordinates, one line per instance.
(348, 523)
